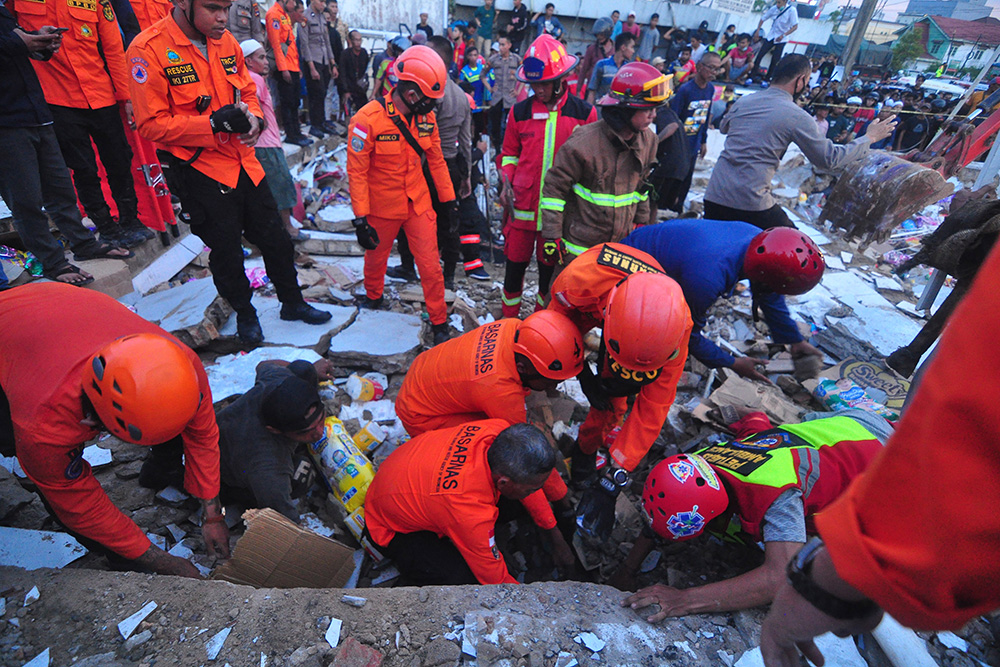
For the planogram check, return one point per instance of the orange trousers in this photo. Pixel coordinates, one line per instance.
(421, 232)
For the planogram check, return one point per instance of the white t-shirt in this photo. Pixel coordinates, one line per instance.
(784, 18)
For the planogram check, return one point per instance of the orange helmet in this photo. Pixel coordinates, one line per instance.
(424, 67)
(644, 321)
(553, 344)
(144, 388)
(546, 60)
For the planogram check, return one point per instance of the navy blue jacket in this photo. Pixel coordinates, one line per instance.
(705, 257)
(22, 103)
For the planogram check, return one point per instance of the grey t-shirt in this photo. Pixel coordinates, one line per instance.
(758, 129)
(252, 457)
(785, 519)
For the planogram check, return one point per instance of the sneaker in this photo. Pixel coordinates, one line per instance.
(441, 333)
(299, 141)
(248, 329)
(136, 228)
(121, 238)
(303, 312)
(317, 132)
(371, 304)
(401, 272)
(478, 273)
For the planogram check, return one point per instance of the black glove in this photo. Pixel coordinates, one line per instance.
(367, 236)
(591, 386)
(595, 514)
(453, 216)
(553, 251)
(229, 118)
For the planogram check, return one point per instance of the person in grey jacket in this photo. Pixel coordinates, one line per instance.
(759, 128)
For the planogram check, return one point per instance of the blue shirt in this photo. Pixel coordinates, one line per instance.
(474, 75)
(692, 104)
(545, 26)
(604, 72)
(705, 257)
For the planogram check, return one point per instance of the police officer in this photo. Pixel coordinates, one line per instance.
(244, 21)
(195, 98)
(320, 65)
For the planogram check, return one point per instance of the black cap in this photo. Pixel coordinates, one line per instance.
(290, 405)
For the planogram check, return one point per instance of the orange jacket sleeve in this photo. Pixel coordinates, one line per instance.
(649, 412)
(537, 504)
(274, 38)
(439, 169)
(114, 49)
(474, 537)
(154, 118)
(360, 144)
(201, 446)
(919, 531)
(76, 497)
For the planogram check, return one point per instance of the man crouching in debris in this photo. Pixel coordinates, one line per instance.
(486, 374)
(708, 257)
(432, 506)
(74, 363)
(765, 486)
(260, 431)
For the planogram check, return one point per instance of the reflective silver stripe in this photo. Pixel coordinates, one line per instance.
(808, 469)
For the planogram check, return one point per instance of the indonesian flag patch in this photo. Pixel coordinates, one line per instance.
(493, 545)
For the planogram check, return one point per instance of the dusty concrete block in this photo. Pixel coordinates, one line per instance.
(332, 243)
(441, 653)
(193, 312)
(111, 276)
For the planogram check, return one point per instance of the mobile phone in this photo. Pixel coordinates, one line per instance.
(59, 30)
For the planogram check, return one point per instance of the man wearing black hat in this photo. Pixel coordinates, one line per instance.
(260, 432)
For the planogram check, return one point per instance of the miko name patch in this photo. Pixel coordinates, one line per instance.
(387, 137)
(617, 259)
(229, 64)
(179, 75)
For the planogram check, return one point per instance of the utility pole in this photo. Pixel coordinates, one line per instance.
(857, 35)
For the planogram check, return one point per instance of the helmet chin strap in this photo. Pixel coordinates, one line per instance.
(189, 15)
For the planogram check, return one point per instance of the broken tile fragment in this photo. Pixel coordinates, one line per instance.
(128, 626)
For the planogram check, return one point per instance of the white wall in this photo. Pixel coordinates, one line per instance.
(388, 14)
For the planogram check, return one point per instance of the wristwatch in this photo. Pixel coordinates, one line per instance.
(219, 518)
(799, 569)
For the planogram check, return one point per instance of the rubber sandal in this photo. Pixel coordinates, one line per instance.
(103, 252)
(69, 268)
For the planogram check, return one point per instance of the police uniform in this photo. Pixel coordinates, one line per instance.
(281, 39)
(316, 49)
(388, 187)
(175, 90)
(244, 21)
(83, 84)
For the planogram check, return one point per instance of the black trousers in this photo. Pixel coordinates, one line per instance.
(288, 100)
(775, 50)
(769, 217)
(75, 128)
(498, 123)
(428, 560)
(222, 216)
(316, 91)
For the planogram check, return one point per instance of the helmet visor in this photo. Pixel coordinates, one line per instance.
(659, 89)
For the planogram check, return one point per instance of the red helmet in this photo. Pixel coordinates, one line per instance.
(546, 60)
(784, 260)
(553, 344)
(424, 67)
(645, 321)
(638, 86)
(144, 388)
(681, 495)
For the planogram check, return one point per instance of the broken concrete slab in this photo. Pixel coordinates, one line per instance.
(33, 549)
(193, 312)
(334, 218)
(331, 243)
(12, 495)
(383, 341)
(236, 373)
(168, 264)
(839, 652)
(298, 334)
(834, 262)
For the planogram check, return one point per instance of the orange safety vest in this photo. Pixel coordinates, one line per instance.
(281, 36)
(76, 76)
(384, 171)
(170, 78)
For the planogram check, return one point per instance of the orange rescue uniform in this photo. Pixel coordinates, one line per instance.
(581, 293)
(48, 333)
(148, 12)
(389, 189)
(919, 531)
(281, 37)
(441, 482)
(469, 378)
(169, 76)
(76, 76)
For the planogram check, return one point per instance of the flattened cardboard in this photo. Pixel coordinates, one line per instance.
(866, 374)
(737, 391)
(276, 553)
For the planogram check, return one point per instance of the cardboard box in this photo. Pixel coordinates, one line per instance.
(276, 553)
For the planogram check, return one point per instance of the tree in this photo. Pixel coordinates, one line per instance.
(905, 49)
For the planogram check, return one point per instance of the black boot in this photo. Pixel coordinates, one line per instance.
(371, 304)
(402, 272)
(448, 270)
(441, 334)
(302, 311)
(583, 468)
(248, 328)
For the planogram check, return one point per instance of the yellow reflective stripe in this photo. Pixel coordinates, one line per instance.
(524, 215)
(551, 204)
(513, 301)
(548, 154)
(507, 160)
(602, 199)
(574, 248)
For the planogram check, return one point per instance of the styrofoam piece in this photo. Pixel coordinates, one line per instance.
(215, 644)
(282, 332)
(236, 373)
(332, 635)
(168, 264)
(33, 549)
(839, 652)
(40, 660)
(128, 626)
(315, 524)
(96, 456)
(336, 213)
(947, 639)
(397, 333)
(901, 645)
(31, 596)
(178, 307)
(591, 641)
